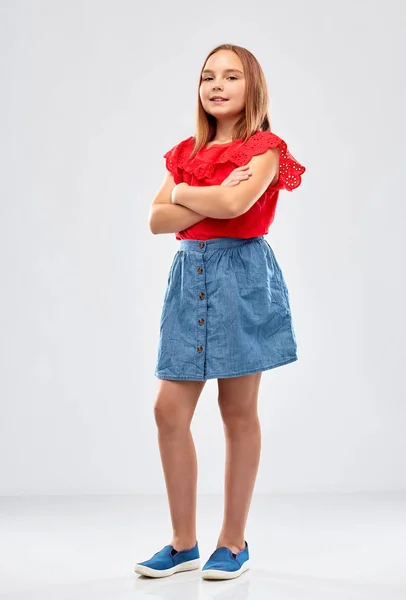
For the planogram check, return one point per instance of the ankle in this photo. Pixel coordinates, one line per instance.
(183, 543)
(235, 544)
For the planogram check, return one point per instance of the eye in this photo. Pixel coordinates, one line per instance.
(230, 77)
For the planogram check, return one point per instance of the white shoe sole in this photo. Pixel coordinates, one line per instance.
(218, 574)
(189, 565)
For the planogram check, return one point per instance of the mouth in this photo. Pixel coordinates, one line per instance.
(218, 99)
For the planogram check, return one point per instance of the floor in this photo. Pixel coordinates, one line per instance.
(312, 546)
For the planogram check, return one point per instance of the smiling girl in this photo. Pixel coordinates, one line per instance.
(226, 310)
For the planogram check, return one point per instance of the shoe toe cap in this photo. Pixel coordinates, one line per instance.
(221, 565)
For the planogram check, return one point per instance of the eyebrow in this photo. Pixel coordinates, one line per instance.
(225, 71)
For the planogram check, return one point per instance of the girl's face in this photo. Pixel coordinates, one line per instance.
(223, 76)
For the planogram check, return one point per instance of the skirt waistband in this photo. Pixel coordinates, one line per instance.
(215, 243)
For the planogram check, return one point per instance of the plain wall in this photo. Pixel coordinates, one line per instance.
(92, 95)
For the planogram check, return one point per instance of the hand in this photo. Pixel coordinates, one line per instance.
(174, 191)
(239, 174)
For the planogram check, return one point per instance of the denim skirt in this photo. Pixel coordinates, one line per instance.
(225, 311)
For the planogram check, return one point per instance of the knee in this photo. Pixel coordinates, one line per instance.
(168, 416)
(238, 419)
(240, 424)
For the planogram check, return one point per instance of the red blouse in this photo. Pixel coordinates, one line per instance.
(212, 165)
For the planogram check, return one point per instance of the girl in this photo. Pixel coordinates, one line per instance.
(226, 311)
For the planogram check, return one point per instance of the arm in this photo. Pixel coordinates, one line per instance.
(209, 200)
(225, 202)
(167, 218)
(164, 217)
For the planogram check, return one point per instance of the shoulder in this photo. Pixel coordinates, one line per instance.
(290, 170)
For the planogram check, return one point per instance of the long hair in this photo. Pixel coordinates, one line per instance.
(255, 115)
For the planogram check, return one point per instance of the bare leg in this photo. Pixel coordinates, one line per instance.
(174, 408)
(237, 400)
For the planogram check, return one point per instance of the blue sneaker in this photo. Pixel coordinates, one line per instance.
(169, 561)
(224, 564)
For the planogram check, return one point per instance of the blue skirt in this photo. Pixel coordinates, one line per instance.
(225, 312)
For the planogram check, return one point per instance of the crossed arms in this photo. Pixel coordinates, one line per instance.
(177, 207)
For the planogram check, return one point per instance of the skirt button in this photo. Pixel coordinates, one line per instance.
(201, 244)
(201, 321)
(199, 349)
(201, 295)
(200, 270)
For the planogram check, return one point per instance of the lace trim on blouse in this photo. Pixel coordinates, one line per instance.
(290, 170)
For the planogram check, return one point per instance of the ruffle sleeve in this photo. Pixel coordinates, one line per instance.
(290, 170)
(238, 154)
(176, 157)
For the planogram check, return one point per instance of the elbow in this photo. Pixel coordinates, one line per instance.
(235, 209)
(234, 212)
(242, 205)
(152, 224)
(231, 208)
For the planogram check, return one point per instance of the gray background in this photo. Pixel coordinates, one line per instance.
(92, 95)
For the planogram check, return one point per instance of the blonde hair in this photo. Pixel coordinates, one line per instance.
(255, 115)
